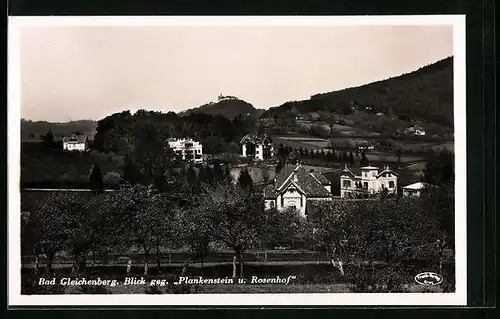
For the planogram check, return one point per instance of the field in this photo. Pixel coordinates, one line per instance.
(348, 144)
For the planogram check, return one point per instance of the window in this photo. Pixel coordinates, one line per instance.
(391, 184)
(293, 207)
(347, 184)
(365, 185)
(271, 203)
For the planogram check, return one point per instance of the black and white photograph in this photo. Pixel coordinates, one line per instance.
(237, 160)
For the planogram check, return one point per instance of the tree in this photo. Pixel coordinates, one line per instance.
(245, 180)
(351, 158)
(399, 153)
(218, 173)
(391, 233)
(153, 222)
(228, 178)
(48, 139)
(282, 228)
(131, 171)
(280, 165)
(206, 175)
(237, 215)
(265, 175)
(56, 226)
(197, 231)
(191, 178)
(95, 179)
(439, 169)
(364, 160)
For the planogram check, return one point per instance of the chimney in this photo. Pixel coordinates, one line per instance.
(295, 178)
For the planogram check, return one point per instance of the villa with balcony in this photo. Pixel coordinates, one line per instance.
(368, 181)
(187, 149)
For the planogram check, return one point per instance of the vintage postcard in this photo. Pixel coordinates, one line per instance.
(237, 161)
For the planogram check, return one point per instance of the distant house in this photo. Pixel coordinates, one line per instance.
(77, 142)
(414, 189)
(366, 148)
(258, 148)
(295, 188)
(415, 130)
(187, 149)
(369, 181)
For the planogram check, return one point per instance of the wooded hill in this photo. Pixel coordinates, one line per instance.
(229, 108)
(425, 94)
(33, 130)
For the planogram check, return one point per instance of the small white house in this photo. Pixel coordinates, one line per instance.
(187, 149)
(414, 189)
(77, 142)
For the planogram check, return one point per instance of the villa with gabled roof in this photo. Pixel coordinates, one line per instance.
(295, 188)
(368, 181)
(258, 148)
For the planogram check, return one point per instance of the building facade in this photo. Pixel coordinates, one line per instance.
(295, 188)
(77, 142)
(370, 180)
(415, 130)
(256, 147)
(187, 149)
(414, 189)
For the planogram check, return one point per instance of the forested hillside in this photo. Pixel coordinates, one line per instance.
(33, 130)
(425, 95)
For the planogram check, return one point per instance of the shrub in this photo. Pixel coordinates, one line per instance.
(112, 179)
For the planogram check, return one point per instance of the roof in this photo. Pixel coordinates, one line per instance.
(369, 167)
(416, 186)
(254, 138)
(356, 172)
(75, 138)
(321, 178)
(311, 186)
(387, 170)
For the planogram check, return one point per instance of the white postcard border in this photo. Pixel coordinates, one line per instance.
(459, 297)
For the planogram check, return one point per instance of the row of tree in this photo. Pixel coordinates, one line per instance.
(140, 216)
(287, 152)
(394, 233)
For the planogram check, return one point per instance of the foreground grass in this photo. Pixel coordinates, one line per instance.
(244, 289)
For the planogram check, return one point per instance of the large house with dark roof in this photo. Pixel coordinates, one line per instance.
(259, 148)
(368, 181)
(295, 188)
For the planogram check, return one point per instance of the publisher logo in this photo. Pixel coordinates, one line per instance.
(428, 279)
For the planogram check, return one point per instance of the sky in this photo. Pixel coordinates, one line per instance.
(90, 72)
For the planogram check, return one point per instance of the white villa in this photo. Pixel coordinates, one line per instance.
(414, 189)
(371, 180)
(258, 148)
(77, 142)
(295, 188)
(187, 149)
